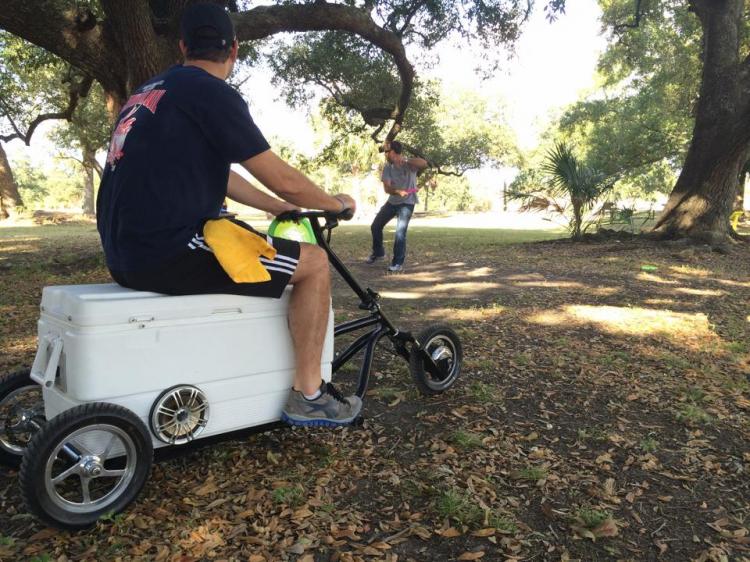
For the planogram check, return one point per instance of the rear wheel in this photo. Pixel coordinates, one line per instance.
(443, 345)
(89, 461)
(21, 415)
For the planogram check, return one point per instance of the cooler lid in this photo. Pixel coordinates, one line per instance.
(109, 304)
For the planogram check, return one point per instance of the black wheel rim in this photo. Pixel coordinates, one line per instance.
(444, 353)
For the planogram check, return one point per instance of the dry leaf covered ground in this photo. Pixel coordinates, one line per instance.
(603, 414)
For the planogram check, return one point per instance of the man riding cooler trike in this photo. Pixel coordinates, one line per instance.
(120, 372)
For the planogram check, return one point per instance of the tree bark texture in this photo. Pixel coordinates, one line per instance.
(89, 167)
(131, 43)
(9, 196)
(701, 202)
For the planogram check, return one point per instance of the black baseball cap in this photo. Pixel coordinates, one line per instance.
(206, 26)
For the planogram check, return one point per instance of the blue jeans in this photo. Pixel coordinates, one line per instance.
(384, 216)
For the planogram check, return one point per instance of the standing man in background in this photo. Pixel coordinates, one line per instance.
(400, 183)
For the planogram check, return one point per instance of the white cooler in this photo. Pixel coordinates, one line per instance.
(104, 343)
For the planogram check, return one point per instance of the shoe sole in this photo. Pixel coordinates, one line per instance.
(318, 423)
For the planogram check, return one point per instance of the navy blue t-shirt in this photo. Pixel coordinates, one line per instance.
(168, 165)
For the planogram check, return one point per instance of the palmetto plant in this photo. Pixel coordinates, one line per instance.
(564, 185)
(569, 177)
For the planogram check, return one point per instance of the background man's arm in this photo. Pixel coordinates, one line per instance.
(416, 163)
(390, 190)
(292, 185)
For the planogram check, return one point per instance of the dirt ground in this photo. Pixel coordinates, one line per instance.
(603, 413)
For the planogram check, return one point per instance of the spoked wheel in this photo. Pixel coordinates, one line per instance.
(21, 415)
(89, 461)
(444, 347)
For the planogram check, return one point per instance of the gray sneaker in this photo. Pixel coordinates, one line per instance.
(330, 409)
(395, 268)
(373, 258)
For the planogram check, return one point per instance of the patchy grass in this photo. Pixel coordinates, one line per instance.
(465, 440)
(458, 506)
(293, 496)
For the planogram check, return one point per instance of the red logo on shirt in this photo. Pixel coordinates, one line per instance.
(149, 100)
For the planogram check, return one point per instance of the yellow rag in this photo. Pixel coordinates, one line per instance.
(238, 251)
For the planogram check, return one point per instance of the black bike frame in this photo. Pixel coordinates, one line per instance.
(381, 325)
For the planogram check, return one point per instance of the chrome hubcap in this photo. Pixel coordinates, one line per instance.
(90, 468)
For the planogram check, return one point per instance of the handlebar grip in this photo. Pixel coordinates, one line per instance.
(289, 216)
(346, 214)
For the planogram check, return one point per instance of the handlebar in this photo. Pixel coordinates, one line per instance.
(322, 232)
(345, 215)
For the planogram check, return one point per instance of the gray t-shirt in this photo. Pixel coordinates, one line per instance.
(401, 177)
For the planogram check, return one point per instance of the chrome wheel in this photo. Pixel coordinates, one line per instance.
(87, 462)
(90, 467)
(21, 415)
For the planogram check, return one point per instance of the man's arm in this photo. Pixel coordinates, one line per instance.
(416, 163)
(242, 191)
(292, 185)
(390, 190)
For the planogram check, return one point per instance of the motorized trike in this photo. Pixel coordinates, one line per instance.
(119, 373)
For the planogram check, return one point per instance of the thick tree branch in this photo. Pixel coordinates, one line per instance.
(77, 91)
(636, 19)
(264, 21)
(74, 36)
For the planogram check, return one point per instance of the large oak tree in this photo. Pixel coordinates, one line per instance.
(701, 201)
(121, 44)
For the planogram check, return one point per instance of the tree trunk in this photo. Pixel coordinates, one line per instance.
(577, 219)
(89, 165)
(701, 202)
(739, 200)
(10, 199)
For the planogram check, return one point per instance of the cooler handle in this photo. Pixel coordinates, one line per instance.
(44, 369)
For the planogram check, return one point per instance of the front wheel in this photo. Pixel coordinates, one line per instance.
(88, 461)
(443, 345)
(21, 415)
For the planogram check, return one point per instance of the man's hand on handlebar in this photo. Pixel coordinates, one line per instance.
(347, 202)
(286, 207)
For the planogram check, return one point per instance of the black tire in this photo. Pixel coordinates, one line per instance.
(21, 415)
(67, 459)
(444, 346)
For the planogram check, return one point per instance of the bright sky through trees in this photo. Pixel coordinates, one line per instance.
(553, 62)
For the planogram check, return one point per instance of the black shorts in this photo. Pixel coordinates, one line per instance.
(198, 272)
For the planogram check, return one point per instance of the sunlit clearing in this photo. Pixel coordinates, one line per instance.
(552, 284)
(480, 272)
(700, 292)
(655, 279)
(634, 321)
(457, 264)
(731, 283)
(692, 271)
(426, 277)
(18, 248)
(19, 345)
(525, 277)
(605, 291)
(463, 288)
(657, 302)
(402, 295)
(466, 314)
